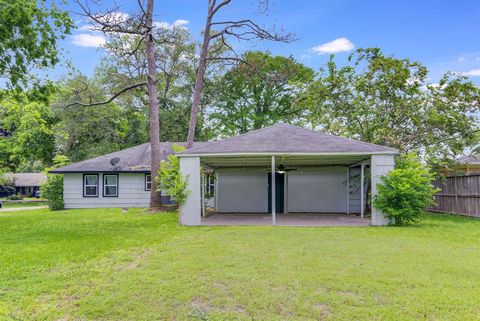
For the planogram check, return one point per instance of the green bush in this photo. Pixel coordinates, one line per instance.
(52, 189)
(406, 191)
(15, 197)
(171, 180)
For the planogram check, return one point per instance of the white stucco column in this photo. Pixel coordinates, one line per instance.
(380, 165)
(190, 211)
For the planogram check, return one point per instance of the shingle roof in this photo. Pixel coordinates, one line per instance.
(27, 179)
(133, 159)
(472, 159)
(284, 138)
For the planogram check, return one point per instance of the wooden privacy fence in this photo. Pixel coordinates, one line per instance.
(458, 195)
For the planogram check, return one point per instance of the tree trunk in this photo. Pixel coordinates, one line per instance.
(202, 64)
(155, 197)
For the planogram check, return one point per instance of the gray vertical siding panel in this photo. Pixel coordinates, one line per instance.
(131, 192)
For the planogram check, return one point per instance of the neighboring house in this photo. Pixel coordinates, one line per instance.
(26, 184)
(119, 179)
(467, 165)
(312, 172)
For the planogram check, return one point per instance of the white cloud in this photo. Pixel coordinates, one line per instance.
(337, 45)
(180, 23)
(305, 56)
(471, 73)
(88, 40)
(461, 58)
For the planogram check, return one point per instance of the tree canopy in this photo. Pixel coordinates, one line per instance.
(388, 101)
(29, 34)
(376, 98)
(259, 91)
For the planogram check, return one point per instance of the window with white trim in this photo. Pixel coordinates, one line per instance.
(110, 185)
(90, 185)
(210, 186)
(148, 182)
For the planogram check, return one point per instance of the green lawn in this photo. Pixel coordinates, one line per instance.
(105, 265)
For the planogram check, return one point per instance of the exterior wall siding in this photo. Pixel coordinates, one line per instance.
(242, 192)
(131, 192)
(321, 190)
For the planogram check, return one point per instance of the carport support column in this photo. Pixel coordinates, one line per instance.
(380, 165)
(190, 211)
(274, 215)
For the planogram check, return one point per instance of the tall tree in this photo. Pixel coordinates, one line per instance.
(259, 91)
(175, 54)
(215, 43)
(140, 26)
(388, 101)
(29, 34)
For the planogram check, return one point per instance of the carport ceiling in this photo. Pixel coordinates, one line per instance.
(287, 161)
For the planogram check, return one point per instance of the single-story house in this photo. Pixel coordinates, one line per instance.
(119, 179)
(467, 165)
(26, 184)
(275, 170)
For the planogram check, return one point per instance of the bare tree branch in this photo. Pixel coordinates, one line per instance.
(244, 29)
(109, 100)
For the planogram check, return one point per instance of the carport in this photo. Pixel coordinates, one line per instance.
(286, 172)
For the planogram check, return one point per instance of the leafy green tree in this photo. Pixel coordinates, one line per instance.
(407, 191)
(29, 34)
(171, 180)
(388, 101)
(259, 91)
(29, 144)
(52, 189)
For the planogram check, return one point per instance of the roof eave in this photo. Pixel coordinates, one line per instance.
(393, 152)
(94, 171)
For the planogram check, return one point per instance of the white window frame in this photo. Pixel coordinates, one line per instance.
(110, 185)
(85, 185)
(148, 182)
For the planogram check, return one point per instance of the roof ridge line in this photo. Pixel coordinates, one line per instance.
(216, 141)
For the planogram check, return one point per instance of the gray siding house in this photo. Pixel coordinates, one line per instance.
(281, 169)
(119, 179)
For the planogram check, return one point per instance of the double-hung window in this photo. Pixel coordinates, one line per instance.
(148, 182)
(90, 185)
(110, 185)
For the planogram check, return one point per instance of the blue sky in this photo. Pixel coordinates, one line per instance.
(443, 35)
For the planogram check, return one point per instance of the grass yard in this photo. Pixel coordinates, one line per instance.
(105, 265)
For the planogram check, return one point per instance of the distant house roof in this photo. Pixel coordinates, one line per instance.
(472, 159)
(284, 138)
(27, 179)
(133, 159)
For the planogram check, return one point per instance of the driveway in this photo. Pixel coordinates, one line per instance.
(26, 208)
